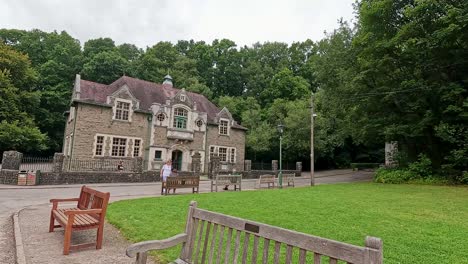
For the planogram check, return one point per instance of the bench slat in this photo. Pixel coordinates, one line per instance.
(200, 234)
(207, 236)
(246, 247)
(255, 250)
(220, 246)
(277, 252)
(237, 246)
(328, 247)
(191, 243)
(266, 248)
(317, 258)
(213, 242)
(228, 246)
(288, 254)
(302, 256)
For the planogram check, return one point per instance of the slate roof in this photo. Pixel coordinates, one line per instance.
(147, 93)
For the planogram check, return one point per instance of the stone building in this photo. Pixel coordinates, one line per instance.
(135, 118)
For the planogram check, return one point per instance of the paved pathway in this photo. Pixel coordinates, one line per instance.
(13, 198)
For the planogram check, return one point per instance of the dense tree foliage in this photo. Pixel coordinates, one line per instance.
(398, 74)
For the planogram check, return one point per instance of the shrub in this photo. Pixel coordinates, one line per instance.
(422, 167)
(395, 176)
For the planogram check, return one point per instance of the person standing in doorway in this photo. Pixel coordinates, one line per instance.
(165, 172)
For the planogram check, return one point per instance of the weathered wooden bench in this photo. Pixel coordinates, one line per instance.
(217, 238)
(179, 182)
(89, 213)
(268, 179)
(225, 180)
(289, 179)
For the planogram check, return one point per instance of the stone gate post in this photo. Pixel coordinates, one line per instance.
(274, 166)
(11, 160)
(58, 162)
(196, 163)
(214, 166)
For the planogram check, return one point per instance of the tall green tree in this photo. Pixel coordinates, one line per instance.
(412, 66)
(93, 47)
(18, 130)
(105, 67)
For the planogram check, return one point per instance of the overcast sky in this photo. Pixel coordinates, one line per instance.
(145, 22)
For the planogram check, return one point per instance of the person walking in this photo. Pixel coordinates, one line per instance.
(165, 172)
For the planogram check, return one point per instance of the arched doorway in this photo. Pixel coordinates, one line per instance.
(177, 159)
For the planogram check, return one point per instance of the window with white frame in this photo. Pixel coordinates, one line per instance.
(212, 150)
(99, 146)
(118, 147)
(122, 111)
(180, 118)
(232, 156)
(223, 127)
(222, 154)
(136, 148)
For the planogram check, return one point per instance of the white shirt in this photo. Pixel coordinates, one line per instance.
(166, 171)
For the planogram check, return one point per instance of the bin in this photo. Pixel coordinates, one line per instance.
(22, 177)
(33, 177)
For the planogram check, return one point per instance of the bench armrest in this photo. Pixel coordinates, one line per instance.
(144, 246)
(64, 200)
(87, 211)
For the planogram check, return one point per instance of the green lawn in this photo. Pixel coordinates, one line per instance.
(418, 224)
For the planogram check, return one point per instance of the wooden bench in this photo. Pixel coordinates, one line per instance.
(225, 180)
(89, 213)
(268, 179)
(178, 182)
(217, 238)
(289, 179)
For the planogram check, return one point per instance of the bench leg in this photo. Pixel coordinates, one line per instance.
(52, 220)
(100, 233)
(67, 240)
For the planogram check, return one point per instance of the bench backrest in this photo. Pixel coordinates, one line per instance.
(183, 180)
(93, 199)
(289, 176)
(267, 178)
(218, 238)
(221, 179)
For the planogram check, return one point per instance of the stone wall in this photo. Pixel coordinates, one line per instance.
(51, 178)
(255, 174)
(9, 177)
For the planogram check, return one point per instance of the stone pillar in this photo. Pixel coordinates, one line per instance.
(66, 163)
(214, 166)
(391, 150)
(274, 166)
(58, 162)
(138, 164)
(196, 163)
(11, 160)
(247, 165)
(299, 166)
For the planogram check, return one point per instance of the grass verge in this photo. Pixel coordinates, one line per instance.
(418, 224)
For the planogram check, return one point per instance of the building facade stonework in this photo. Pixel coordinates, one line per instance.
(134, 118)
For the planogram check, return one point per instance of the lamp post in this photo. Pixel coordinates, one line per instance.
(312, 115)
(280, 176)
